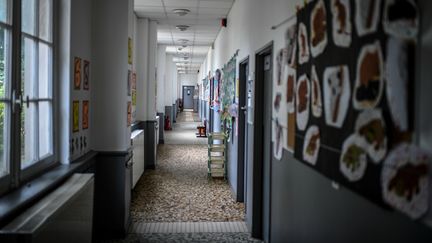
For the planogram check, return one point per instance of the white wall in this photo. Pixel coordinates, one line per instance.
(249, 29)
(186, 80)
(170, 91)
(109, 75)
(141, 60)
(161, 76)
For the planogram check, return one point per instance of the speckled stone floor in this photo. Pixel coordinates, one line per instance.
(179, 190)
(187, 237)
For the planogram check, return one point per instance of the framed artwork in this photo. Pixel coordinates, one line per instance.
(130, 48)
(129, 83)
(134, 97)
(129, 113)
(134, 77)
(75, 116)
(85, 112)
(77, 73)
(86, 84)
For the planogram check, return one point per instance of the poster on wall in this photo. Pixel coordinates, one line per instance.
(291, 79)
(86, 84)
(130, 51)
(129, 113)
(77, 73)
(85, 115)
(354, 100)
(75, 116)
(129, 83)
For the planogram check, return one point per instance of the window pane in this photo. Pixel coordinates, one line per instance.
(4, 62)
(4, 165)
(28, 71)
(45, 71)
(45, 19)
(28, 19)
(28, 135)
(45, 129)
(4, 11)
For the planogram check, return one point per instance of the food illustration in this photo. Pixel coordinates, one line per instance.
(279, 61)
(316, 94)
(278, 132)
(291, 45)
(370, 125)
(397, 82)
(353, 160)
(370, 77)
(277, 101)
(302, 102)
(367, 16)
(311, 145)
(401, 18)
(318, 29)
(405, 180)
(303, 44)
(341, 22)
(337, 93)
(291, 80)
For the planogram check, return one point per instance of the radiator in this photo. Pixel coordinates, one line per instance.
(65, 215)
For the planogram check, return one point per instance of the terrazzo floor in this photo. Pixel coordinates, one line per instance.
(176, 202)
(179, 190)
(186, 237)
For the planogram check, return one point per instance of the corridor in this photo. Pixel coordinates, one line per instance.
(177, 201)
(313, 118)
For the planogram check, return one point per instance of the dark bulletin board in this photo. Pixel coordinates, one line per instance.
(332, 138)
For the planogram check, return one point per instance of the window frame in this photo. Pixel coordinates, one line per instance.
(18, 175)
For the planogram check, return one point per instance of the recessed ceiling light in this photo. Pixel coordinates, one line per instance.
(181, 11)
(182, 27)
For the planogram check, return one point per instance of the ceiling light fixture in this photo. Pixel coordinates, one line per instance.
(181, 11)
(182, 27)
(183, 41)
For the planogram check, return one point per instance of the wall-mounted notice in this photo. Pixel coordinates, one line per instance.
(85, 113)
(75, 116)
(77, 73)
(129, 83)
(129, 113)
(86, 84)
(130, 51)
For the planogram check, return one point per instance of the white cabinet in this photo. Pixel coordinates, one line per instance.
(137, 138)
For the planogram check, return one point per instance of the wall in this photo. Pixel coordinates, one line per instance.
(186, 80)
(161, 76)
(304, 205)
(109, 75)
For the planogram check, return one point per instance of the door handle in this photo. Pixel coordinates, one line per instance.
(243, 108)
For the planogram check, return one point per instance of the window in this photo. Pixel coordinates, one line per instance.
(26, 88)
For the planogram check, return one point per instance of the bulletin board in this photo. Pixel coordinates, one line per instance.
(354, 93)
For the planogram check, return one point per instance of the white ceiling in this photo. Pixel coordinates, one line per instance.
(204, 21)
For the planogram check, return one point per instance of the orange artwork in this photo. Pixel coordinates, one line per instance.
(77, 73)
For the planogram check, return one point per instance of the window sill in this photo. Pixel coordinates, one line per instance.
(15, 202)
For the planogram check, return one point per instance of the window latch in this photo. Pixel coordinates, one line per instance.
(16, 101)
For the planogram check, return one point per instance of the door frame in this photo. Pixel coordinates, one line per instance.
(258, 146)
(242, 119)
(183, 95)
